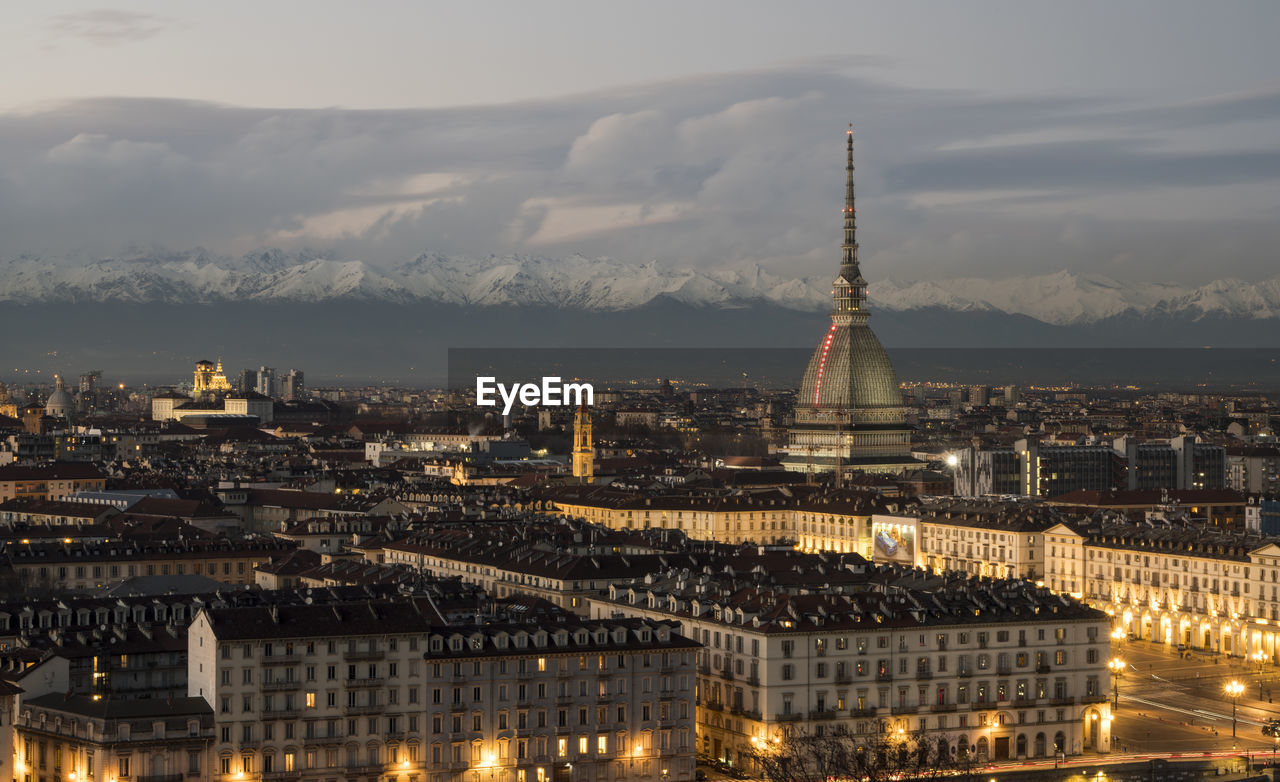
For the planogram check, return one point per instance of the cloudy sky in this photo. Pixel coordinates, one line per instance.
(1139, 140)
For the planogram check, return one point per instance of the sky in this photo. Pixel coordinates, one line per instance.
(1139, 141)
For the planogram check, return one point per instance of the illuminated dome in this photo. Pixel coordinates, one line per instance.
(60, 404)
(850, 369)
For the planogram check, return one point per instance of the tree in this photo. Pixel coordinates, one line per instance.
(884, 753)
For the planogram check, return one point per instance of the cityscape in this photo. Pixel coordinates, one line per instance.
(562, 499)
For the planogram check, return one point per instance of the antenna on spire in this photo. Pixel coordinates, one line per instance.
(848, 176)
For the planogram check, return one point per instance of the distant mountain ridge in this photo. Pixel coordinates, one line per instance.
(602, 285)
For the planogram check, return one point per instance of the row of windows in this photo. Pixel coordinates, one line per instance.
(940, 640)
(863, 667)
(82, 571)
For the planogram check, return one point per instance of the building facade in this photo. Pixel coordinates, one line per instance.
(1002, 669)
(382, 690)
(598, 700)
(61, 737)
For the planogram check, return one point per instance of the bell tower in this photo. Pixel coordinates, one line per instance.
(584, 451)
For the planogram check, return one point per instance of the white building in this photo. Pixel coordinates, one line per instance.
(384, 690)
(1002, 669)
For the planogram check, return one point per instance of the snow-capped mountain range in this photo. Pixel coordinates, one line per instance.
(598, 284)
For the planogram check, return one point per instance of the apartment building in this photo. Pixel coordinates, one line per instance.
(83, 564)
(542, 702)
(985, 538)
(1172, 581)
(999, 668)
(50, 481)
(815, 519)
(1175, 583)
(76, 737)
(314, 692)
(384, 689)
(53, 512)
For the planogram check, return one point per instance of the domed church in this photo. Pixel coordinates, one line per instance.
(849, 414)
(60, 404)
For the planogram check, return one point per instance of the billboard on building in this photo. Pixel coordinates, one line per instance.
(893, 539)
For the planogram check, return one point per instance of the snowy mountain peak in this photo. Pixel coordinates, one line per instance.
(596, 284)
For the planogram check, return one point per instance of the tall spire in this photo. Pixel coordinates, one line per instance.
(850, 291)
(850, 214)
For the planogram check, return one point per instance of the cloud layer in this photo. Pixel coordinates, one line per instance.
(706, 172)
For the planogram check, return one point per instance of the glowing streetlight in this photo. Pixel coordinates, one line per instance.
(1233, 689)
(1117, 670)
(1259, 659)
(1118, 634)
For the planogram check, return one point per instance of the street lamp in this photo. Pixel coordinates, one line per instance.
(1260, 659)
(1233, 689)
(1117, 669)
(1118, 635)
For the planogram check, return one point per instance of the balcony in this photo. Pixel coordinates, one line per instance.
(365, 769)
(727, 674)
(159, 778)
(823, 714)
(753, 680)
(884, 676)
(1042, 668)
(792, 717)
(368, 708)
(1099, 698)
(943, 707)
(924, 674)
(985, 706)
(367, 655)
(843, 677)
(281, 659)
(327, 741)
(964, 672)
(1003, 670)
(359, 683)
(282, 714)
(280, 686)
(1023, 703)
(870, 711)
(1063, 701)
(713, 705)
(904, 710)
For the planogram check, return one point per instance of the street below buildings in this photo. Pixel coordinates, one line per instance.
(1169, 703)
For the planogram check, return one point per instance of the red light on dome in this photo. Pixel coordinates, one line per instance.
(822, 364)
